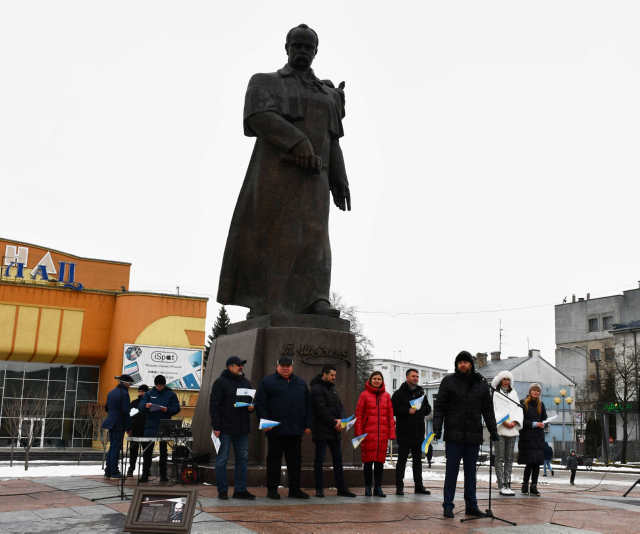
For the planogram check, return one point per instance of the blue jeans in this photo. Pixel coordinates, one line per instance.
(468, 453)
(113, 454)
(241, 452)
(547, 465)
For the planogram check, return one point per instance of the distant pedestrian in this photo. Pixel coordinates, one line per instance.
(410, 429)
(117, 422)
(531, 443)
(548, 456)
(374, 416)
(430, 454)
(284, 397)
(137, 428)
(572, 465)
(326, 429)
(231, 425)
(506, 404)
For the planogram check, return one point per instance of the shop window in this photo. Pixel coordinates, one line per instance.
(89, 374)
(67, 430)
(8, 427)
(55, 408)
(593, 324)
(58, 373)
(70, 404)
(33, 407)
(82, 428)
(11, 407)
(1, 377)
(81, 442)
(13, 388)
(87, 391)
(56, 390)
(15, 374)
(53, 428)
(40, 374)
(609, 354)
(34, 389)
(72, 374)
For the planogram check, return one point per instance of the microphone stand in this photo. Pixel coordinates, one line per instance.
(489, 513)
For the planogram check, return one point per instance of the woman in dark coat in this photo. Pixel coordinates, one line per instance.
(374, 416)
(531, 443)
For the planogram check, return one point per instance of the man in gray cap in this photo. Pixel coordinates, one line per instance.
(230, 424)
(117, 422)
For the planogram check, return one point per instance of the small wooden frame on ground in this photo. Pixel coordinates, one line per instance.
(161, 510)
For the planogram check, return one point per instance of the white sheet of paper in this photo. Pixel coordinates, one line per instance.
(549, 419)
(133, 412)
(245, 392)
(216, 441)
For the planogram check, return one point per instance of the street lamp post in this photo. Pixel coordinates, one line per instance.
(563, 397)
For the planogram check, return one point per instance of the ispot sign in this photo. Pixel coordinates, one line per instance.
(180, 366)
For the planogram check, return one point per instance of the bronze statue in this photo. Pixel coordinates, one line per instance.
(278, 257)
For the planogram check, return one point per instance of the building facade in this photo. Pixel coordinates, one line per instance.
(394, 372)
(64, 324)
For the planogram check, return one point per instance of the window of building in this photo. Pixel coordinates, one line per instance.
(594, 355)
(609, 354)
(595, 387)
(593, 324)
(395, 368)
(607, 322)
(395, 384)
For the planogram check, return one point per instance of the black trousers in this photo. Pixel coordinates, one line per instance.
(404, 448)
(291, 447)
(376, 467)
(335, 446)
(531, 470)
(148, 455)
(573, 476)
(134, 448)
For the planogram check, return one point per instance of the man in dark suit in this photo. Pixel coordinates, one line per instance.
(137, 428)
(117, 422)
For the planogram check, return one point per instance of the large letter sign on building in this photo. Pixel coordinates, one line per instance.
(181, 367)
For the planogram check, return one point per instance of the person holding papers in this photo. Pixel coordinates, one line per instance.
(117, 422)
(531, 443)
(230, 404)
(463, 401)
(284, 398)
(137, 428)
(509, 418)
(160, 402)
(410, 406)
(374, 417)
(326, 428)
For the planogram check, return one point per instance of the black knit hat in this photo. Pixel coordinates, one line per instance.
(464, 356)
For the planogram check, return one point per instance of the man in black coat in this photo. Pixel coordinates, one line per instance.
(326, 428)
(463, 399)
(284, 397)
(137, 428)
(230, 423)
(117, 422)
(410, 429)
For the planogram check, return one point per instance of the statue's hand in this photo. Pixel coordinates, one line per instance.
(342, 196)
(305, 157)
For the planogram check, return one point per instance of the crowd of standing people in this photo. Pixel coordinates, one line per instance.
(463, 402)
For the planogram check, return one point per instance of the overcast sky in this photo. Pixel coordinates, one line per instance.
(492, 150)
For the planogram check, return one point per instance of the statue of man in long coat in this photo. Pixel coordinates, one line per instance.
(278, 257)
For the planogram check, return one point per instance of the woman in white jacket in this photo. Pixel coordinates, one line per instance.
(508, 430)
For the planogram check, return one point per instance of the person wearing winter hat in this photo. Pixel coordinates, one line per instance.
(463, 401)
(505, 405)
(531, 442)
(572, 465)
(117, 422)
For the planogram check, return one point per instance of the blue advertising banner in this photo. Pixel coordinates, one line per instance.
(181, 367)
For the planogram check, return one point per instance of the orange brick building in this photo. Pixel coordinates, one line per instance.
(64, 321)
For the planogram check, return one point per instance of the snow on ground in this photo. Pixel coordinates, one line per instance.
(38, 470)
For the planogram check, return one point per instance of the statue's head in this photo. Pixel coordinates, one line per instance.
(301, 46)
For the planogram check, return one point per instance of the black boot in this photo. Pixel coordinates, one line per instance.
(377, 492)
(534, 490)
(525, 488)
(367, 491)
(399, 488)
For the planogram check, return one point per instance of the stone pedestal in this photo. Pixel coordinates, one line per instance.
(311, 341)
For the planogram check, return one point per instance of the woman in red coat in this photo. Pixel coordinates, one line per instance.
(374, 414)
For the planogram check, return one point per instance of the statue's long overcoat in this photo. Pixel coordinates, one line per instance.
(278, 257)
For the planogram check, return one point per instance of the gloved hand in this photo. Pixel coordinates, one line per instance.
(495, 437)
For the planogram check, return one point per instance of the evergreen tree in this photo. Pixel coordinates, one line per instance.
(219, 329)
(364, 345)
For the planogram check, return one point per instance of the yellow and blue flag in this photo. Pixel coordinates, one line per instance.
(348, 422)
(505, 418)
(427, 441)
(267, 423)
(357, 440)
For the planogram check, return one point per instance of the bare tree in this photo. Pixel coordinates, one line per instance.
(95, 414)
(364, 345)
(626, 372)
(22, 420)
